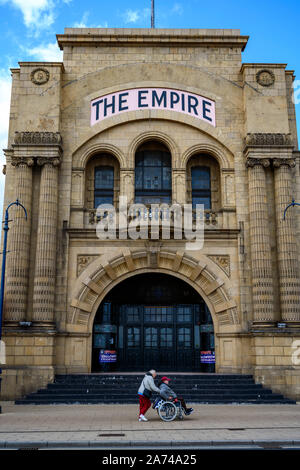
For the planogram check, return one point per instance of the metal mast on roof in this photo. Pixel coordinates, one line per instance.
(152, 14)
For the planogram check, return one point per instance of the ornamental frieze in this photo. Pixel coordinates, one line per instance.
(268, 139)
(37, 138)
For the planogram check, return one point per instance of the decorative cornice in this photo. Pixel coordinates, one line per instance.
(251, 162)
(278, 162)
(37, 138)
(268, 140)
(155, 37)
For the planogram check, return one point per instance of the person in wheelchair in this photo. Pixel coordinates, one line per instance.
(168, 394)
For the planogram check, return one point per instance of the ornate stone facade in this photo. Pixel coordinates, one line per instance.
(59, 271)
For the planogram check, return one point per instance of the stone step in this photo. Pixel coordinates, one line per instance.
(198, 388)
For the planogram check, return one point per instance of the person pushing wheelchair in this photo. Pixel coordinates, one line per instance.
(169, 395)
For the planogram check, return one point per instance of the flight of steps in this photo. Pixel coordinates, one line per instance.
(122, 389)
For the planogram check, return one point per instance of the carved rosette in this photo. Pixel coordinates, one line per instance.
(265, 77)
(40, 76)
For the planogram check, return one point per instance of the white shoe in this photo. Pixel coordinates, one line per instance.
(142, 418)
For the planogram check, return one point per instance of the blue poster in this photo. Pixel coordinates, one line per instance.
(208, 357)
(107, 356)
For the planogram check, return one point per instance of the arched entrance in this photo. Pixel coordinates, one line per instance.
(153, 320)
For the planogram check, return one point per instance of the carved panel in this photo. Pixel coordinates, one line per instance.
(83, 261)
(223, 261)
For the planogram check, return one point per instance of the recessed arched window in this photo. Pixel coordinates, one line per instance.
(201, 186)
(103, 185)
(153, 180)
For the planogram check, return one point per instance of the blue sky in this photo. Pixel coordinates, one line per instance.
(28, 29)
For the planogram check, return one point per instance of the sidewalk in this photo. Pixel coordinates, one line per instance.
(117, 426)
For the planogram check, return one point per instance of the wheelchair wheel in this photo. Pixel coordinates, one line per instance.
(167, 411)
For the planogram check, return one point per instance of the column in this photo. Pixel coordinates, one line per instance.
(262, 275)
(289, 282)
(45, 263)
(17, 268)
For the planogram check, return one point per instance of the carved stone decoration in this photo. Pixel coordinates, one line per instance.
(290, 162)
(153, 249)
(268, 139)
(16, 161)
(223, 261)
(251, 162)
(37, 138)
(83, 261)
(50, 161)
(265, 77)
(40, 76)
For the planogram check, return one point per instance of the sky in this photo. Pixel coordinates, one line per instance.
(28, 29)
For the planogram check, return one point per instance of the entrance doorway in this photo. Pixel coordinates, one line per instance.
(153, 321)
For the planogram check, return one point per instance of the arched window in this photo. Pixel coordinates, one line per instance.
(102, 181)
(201, 187)
(103, 185)
(153, 180)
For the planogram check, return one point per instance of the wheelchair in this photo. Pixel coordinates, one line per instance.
(168, 410)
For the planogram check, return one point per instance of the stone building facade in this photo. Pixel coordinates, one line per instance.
(210, 114)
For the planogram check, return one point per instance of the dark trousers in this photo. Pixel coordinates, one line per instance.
(183, 404)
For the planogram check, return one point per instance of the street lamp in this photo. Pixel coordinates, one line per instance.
(292, 204)
(6, 229)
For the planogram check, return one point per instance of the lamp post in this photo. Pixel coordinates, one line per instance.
(292, 204)
(5, 228)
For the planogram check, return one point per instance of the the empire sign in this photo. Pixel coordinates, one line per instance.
(153, 98)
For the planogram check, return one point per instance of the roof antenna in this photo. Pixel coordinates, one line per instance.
(152, 14)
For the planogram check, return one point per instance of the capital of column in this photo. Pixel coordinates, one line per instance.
(41, 161)
(278, 162)
(251, 162)
(17, 161)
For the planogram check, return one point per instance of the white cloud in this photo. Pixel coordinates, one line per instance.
(131, 16)
(83, 23)
(177, 9)
(37, 14)
(47, 52)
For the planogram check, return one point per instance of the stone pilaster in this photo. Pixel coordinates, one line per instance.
(45, 265)
(262, 275)
(17, 268)
(127, 184)
(289, 280)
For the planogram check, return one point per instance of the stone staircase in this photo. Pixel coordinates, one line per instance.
(122, 389)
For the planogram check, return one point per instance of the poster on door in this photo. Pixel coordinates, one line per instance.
(208, 357)
(106, 356)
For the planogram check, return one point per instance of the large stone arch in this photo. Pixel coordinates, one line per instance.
(99, 278)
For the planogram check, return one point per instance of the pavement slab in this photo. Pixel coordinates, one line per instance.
(115, 425)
